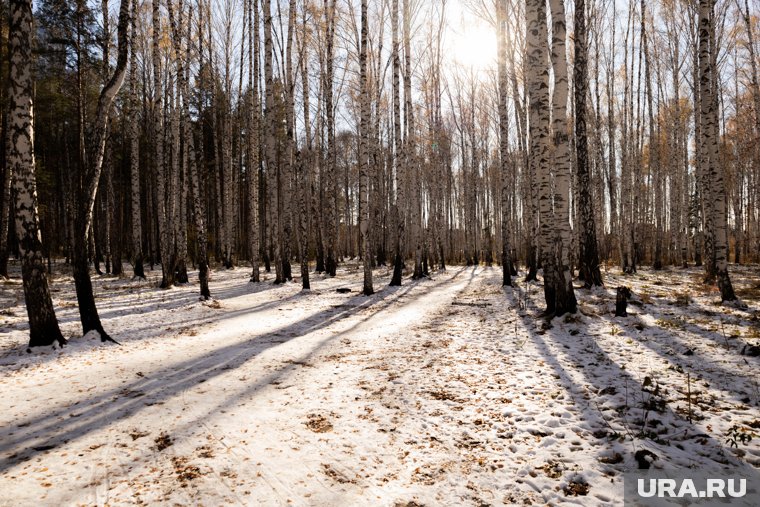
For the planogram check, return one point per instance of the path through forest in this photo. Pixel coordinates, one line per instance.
(443, 392)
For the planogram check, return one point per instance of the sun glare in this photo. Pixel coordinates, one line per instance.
(474, 47)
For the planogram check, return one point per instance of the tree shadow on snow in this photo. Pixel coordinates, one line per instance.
(610, 395)
(28, 438)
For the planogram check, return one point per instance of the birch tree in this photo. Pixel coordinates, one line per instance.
(398, 156)
(330, 218)
(709, 146)
(88, 312)
(589, 254)
(364, 207)
(506, 261)
(254, 134)
(43, 325)
(134, 152)
(563, 280)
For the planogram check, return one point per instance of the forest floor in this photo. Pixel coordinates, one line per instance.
(446, 391)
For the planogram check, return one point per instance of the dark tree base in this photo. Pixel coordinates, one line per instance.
(255, 278)
(621, 302)
(566, 302)
(203, 277)
(320, 267)
(331, 266)
(591, 276)
(4, 265)
(139, 270)
(506, 275)
(43, 326)
(182, 273)
(725, 286)
(116, 269)
(417, 274)
(267, 264)
(305, 284)
(398, 269)
(88, 312)
(287, 271)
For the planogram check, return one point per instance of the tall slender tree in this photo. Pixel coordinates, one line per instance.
(88, 312)
(254, 126)
(588, 251)
(364, 208)
(398, 165)
(501, 29)
(134, 152)
(43, 325)
(330, 218)
(708, 95)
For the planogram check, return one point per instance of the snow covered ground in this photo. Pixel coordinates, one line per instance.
(447, 391)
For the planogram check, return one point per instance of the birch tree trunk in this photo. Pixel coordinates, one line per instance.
(506, 262)
(269, 142)
(134, 153)
(411, 165)
(589, 254)
(167, 258)
(88, 312)
(228, 188)
(199, 212)
(537, 80)
(612, 179)
(173, 190)
(5, 193)
(303, 165)
(43, 325)
(5, 170)
(709, 144)
(563, 280)
(653, 165)
(254, 127)
(398, 165)
(330, 218)
(364, 127)
(286, 176)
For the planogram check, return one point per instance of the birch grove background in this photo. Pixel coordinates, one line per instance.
(566, 137)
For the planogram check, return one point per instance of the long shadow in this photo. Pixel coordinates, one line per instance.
(654, 340)
(577, 353)
(146, 294)
(699, 365)
(157, 299)
(151, 330)
(161, 300)
(293, 365)
(32, 436)
(243, 289)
